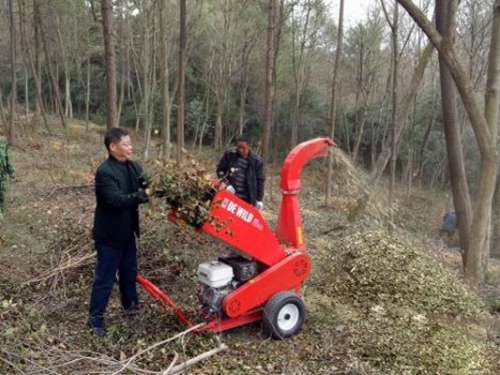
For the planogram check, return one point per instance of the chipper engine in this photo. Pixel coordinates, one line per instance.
(265, 280)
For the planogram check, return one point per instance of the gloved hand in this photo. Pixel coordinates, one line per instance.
(141, 196)
(231, 189)
(144, 180)
(259, 205)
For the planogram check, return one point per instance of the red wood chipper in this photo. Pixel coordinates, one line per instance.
(265, 281)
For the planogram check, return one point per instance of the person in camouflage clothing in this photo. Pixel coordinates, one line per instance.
(6, 170)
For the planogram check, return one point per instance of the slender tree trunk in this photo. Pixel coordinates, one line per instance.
(53, 77)
(30, 61)
(298, 69)
(244, 87)
(146, 61)
(36, 68)
(109, 57)
(68, 105)
(181, 81)
(491, 113)
(269, 94)
(167, 108)
(427, 131)
(456, 165)
(87, 95)
(334, 100)
(123, 71)
(13, 97)
(395, 108)
(26, 93)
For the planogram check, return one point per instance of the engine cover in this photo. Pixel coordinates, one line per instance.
(215, 274)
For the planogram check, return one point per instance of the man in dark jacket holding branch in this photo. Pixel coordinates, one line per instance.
(116, 227)
(245, 172)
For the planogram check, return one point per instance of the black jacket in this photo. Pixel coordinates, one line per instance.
(117, 211)
(254, 174)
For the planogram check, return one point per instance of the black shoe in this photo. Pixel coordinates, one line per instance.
(132, 311)
(98, 331)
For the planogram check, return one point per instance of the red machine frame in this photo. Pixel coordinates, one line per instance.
(282, 255)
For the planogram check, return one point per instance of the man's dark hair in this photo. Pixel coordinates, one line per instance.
(241, 139)
(114, 135)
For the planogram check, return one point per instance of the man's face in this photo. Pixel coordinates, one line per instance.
(123, 149)
(243, 149)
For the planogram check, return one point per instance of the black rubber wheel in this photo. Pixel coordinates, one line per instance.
(283, 315)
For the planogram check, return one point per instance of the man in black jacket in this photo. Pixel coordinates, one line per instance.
(245, 173)
(116, 227)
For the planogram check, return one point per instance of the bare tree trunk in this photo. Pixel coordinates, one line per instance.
(181, 80)
(28, 56)
(36, 68)
(109, 57)
(123, 61)
(298, 69)
(427, 131)
(26, 93)
(87, 95)
(68, 105)
(53, 77)
(244, 86)
(268, 120)
(13, 97)
(456, 165)
(395, 108)
(146, 62)
(167, 108)
(491, 113)
(334, 100)
(218, 121)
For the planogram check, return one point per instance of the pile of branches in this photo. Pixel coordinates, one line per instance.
(187, 191)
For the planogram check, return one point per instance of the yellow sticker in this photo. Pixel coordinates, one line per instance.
(300, 236)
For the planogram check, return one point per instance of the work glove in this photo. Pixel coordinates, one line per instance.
(231, 189)
(141, 196)
(144, 181)
(259, 205)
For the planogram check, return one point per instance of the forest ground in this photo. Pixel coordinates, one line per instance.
(46, 269)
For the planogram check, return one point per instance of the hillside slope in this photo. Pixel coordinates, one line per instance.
(378, 303)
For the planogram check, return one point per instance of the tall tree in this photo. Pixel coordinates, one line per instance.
(484, 132)
(147, 70)
(13, 96)
(30, 61)
(269, 82)
(181, 112)
(456, 165)
(53, 75)
(491, 111)
(334, 99)
(299, 64)
(166, 95)
(109, 57)
(394, 26)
